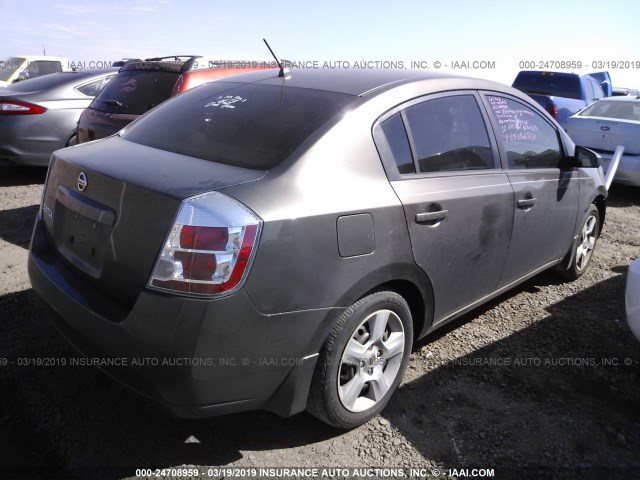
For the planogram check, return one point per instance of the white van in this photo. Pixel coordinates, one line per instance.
(15, 69)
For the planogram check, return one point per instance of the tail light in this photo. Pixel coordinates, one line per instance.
(209, 248)
(552, 109)
(15, 107)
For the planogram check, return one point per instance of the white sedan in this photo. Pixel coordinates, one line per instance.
(606, 124)
(632, 297)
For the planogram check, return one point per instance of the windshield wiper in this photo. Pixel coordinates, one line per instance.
(114, 103)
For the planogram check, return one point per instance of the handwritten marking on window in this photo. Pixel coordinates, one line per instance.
(226, 101)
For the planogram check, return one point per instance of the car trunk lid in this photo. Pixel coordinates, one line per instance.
(108, 206)
(605, 134)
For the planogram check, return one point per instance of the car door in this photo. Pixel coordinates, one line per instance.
(458, 204)
(546, 195)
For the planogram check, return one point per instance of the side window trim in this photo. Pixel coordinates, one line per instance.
(496, 128)
(384, 150)
(412, 145)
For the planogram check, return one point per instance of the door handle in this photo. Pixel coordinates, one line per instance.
(526, 202)
(431, 216)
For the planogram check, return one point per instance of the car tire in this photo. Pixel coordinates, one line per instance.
(362, 361)
(582, 249)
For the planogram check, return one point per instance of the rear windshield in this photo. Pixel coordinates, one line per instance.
(613, 109)
(135, 92)
(245, 125)
(552, 85)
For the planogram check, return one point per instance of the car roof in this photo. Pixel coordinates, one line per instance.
(622, 98)
(175, 66)
(351, 82)
(546, 73)
(205, 63)
(55, 81)
(169, 63)
(41, 57)
(187, 63)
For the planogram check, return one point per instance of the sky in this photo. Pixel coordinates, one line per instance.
(493, 39)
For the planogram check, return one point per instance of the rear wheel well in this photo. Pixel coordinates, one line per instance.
(411, 293)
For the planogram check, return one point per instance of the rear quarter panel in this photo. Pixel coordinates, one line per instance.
(298, 263)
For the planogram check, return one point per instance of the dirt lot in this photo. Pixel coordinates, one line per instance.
(544, 382)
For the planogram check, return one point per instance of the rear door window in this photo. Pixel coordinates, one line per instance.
(449, 134)
(135, 92)
(245, 125)
(529, 140)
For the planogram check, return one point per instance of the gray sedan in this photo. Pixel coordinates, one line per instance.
(40, 115)
(280, 241)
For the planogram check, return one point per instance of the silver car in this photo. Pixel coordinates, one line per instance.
(279, 241)
(40, 115)
(607, 124)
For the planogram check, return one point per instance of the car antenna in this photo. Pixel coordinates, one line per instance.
(281, 73)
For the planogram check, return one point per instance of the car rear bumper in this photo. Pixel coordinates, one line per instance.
(29, 140)
(628, 172)
(195, 357)
(17, 156)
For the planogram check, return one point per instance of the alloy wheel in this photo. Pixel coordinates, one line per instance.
(371, 361)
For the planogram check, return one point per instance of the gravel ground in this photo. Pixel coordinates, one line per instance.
(543, 382)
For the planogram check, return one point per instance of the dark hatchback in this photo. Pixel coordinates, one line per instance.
(138, 87)
(267, 242)
(141, 85)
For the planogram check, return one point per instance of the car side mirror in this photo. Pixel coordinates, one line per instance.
(585, 158)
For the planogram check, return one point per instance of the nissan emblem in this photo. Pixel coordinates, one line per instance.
(82, 181)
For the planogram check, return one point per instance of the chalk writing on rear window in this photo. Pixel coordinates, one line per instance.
(129, 86)
(226, 101)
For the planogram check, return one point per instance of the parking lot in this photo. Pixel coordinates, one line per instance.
(542, 382)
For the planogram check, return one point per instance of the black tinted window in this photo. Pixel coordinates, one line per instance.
(449, 134)
(529, 140)
(396, 135)
(567, 86)
(251, 125)
(135, 92)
